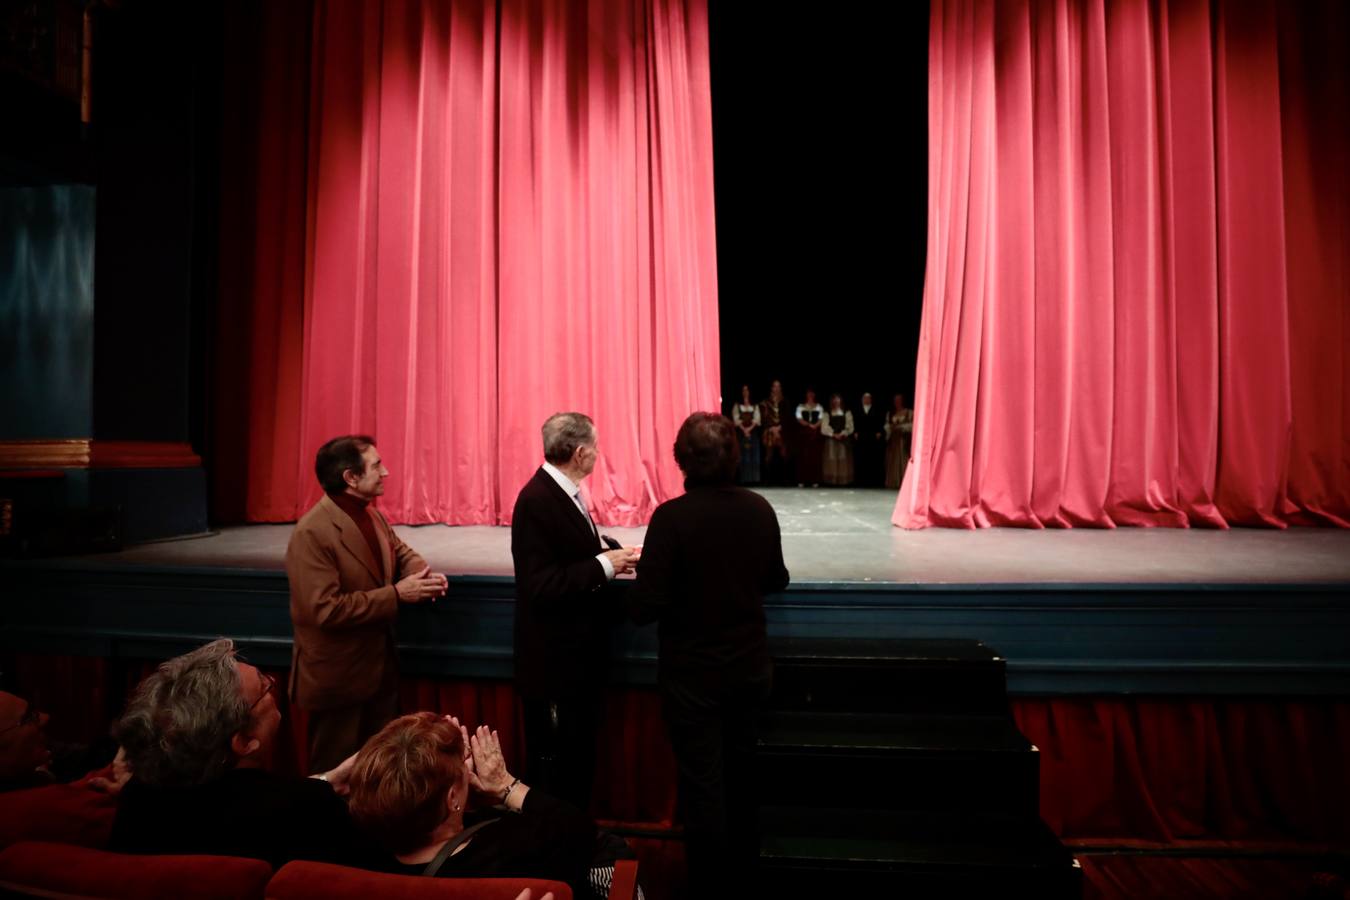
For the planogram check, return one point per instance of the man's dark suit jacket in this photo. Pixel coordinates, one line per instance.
(867, 468)
(708, 559)
(563, 606)
(867, 425)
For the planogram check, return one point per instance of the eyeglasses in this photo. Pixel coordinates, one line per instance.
(30, 715)
(268, 684)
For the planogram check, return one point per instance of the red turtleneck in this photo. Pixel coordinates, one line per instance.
(356, 508)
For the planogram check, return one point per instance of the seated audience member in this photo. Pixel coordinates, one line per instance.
(24, 754)
(415, 787)
(28, 757)
(195, 736)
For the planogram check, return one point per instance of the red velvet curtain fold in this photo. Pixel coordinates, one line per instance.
(491, 212)
(1167, 769)
(1136, 299)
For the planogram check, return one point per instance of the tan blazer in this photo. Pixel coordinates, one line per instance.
(342, 611)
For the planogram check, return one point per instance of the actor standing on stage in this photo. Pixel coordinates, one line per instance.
(773, 419)
(348, 573)
(708, 559)
(563, 611)
(869, 426)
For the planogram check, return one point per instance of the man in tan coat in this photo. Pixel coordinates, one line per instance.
(348, 573)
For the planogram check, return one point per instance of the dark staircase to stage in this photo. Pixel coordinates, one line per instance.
(896, 766)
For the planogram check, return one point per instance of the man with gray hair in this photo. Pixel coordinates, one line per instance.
(563, 611)
(196, 735)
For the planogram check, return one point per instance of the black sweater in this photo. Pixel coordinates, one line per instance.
(246, 812)
(708, 559)
(548, 838)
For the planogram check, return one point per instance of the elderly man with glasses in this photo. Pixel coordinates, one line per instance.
(197, 736)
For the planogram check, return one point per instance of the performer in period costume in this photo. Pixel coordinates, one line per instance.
(809, 415)
(747, 417)
(869, 427)
(899, 425)
(773, 421)
(837, 430)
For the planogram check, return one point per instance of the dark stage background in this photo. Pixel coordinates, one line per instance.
(820, 149)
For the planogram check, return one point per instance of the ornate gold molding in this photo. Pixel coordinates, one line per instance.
(60, 454)
(83, 453)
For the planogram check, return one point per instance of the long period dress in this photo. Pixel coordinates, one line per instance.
(837, 462)
(746, 415)
(773, 443)
(808, 458)
(899, 425)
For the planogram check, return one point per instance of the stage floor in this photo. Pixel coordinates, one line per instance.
(845, 535)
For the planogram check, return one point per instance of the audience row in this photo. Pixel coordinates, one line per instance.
(424, 796)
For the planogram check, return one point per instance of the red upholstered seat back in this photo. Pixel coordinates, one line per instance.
(320, 881)
(62, 870)
(69, 813)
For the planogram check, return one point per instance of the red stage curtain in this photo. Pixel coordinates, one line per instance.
(1136, 298)
(507, 212)
(1167, 769)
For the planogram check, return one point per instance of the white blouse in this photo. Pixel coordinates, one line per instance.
(826, 430)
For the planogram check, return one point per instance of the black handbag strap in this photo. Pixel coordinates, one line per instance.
(451, 846)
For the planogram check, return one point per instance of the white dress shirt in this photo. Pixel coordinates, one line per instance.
(573, 490)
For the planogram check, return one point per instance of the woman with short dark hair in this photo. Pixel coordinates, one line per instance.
(708, 559)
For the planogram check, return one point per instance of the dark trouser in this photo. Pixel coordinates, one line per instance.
(774, 467)
(869, 468)
(714, 746)
(335, 734)
(560, 738)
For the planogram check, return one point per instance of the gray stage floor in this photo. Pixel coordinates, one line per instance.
(846, 535)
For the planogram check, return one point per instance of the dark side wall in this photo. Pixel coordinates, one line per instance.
(122, 209)
(46, 311)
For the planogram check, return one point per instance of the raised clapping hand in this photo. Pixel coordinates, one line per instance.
(489, 774)
(117, 778)
(423, 585)
(483, 760)
(623, 559)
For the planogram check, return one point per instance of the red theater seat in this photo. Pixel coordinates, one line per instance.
(69, 813)
(321, 881)
(61, 870)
